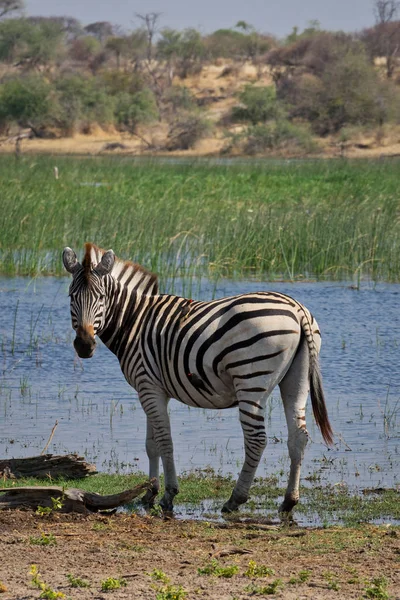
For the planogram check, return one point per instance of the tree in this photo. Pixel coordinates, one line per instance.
(150, 21)
(101, 30)
(24, 100)
(119, 46)
(384, 38)
(9, 6)
(385, 10)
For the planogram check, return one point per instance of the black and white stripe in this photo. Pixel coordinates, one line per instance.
(227, 352)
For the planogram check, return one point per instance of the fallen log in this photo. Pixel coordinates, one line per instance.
(70, 466)
(68, 500)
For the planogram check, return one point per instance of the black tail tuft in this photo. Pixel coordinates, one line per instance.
(318, 404)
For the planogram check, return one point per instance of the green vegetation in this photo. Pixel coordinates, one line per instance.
(171, 592)
(328, 505)
(328, 220)
(377, 588)
(43, 540)
(111, 583)
(214, 568)
(77, 582)
(59, 77)
(46, 591)
(265, 590)
(256, 570)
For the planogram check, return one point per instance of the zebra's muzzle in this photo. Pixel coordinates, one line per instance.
(84, 343)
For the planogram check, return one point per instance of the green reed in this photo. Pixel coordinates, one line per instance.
(277, 219)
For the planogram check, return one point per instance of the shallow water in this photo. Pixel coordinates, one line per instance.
(99, 415)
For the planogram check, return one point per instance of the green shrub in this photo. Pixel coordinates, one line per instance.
(277, 135)
(25, 100)
(133, 109)
(258, 105)
(186, 129)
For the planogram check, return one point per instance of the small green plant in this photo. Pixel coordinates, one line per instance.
(255, 570)
(56, 504)
(77, 582)
(158, 575)
(302, 577)
(171, 592)
(43, 540)
(46, 591)
(156, 511)
(333, 583)
(265, 590)
(110, 584)
(214, 568)
(377, 588)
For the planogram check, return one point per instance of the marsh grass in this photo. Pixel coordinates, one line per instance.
(292, 220)
(326, 505)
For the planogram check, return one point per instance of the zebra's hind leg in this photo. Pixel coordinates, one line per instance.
(154, 464)
(294, 391)
(251, 414)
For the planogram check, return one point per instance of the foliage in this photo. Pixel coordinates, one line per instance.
(112, 583)
(77, 582)
(214, 568)
(265, 590)
(43, 540)
(133, 109)
(30, 44)
(377, 588)
(273, 136)
(255, 570)
(82, 101)
(24, 100)
(171, 592)
(186, 129)
(258, 105)
(46, 591)
(84, 49)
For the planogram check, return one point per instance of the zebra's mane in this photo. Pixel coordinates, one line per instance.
(128, 273)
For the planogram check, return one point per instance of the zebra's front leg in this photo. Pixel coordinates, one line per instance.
(255, 440)
(154, 464)
(155, 405)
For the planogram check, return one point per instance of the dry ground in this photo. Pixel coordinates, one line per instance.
(341, 562)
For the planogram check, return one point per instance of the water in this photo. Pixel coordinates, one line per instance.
(99, 416)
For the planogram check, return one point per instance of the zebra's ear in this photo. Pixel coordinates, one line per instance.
(106, 264)
(70, 260)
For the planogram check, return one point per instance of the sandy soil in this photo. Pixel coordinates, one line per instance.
(341, 562)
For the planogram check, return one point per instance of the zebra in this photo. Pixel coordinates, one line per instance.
(218, 354)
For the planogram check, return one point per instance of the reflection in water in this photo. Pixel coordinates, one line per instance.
(99, 415)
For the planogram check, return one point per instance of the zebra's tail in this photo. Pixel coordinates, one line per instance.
(316, 389)
(318, 402)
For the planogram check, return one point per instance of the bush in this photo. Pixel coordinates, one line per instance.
(278, 135)
(24, 100)
(134, 109)
(81, 102)
(258, 105)
(187, 129)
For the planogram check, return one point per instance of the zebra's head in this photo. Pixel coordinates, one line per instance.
(88, 297)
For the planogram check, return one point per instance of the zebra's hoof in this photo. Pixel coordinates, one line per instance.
(233, 503)
(287, 505)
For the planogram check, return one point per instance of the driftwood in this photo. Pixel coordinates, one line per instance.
(70, 466)
(70, 500)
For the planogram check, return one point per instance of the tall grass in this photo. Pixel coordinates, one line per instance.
(322, 219)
